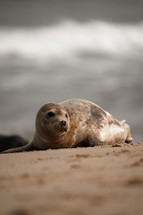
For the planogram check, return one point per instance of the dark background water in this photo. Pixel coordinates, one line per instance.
(43, 12)
(113, 81)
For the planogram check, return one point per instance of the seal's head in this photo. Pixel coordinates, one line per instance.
(52, 119)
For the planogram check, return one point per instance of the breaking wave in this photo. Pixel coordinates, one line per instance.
(68, 39)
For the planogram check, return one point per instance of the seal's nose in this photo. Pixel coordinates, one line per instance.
(63, 123)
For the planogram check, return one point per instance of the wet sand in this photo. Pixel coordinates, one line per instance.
(100, 180)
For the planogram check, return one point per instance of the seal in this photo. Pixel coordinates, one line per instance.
(75, 123)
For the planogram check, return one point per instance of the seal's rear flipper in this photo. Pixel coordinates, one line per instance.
(122, 121)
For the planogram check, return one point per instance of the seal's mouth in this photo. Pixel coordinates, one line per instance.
(58, 130)
(61, 129)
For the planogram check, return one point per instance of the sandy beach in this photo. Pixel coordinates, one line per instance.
(99, 180)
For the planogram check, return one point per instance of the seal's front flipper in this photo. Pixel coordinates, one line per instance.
(95, 142)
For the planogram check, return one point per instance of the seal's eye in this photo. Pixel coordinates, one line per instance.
(66, 115)
(50, 114)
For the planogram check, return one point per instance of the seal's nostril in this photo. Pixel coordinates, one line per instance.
(63, 123)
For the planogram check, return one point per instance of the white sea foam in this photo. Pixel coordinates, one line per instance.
(69, 38)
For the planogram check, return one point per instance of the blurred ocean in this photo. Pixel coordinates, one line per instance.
(101, 61)
(71, 39)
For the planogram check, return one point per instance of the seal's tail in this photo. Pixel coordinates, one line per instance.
(28, 147)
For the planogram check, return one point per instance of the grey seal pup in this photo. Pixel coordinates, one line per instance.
(75, 123)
